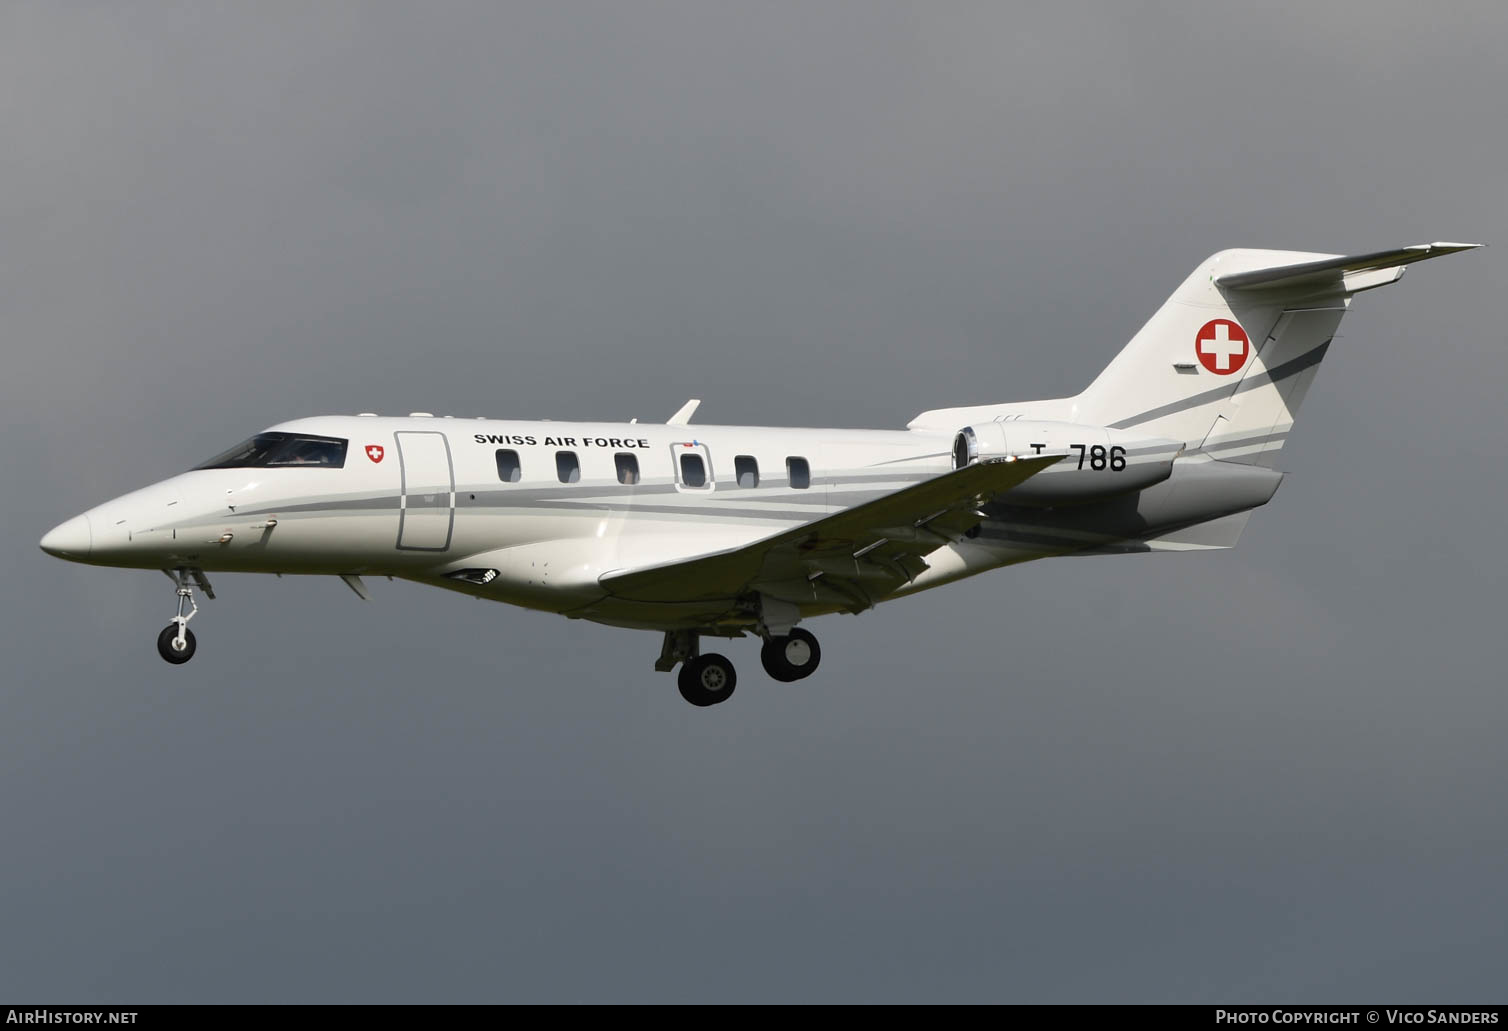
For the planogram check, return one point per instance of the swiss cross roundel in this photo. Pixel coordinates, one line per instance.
(1222, 346)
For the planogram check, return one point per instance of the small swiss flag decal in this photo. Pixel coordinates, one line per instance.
(374, 452)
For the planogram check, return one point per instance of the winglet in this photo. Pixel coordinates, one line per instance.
(683, 417)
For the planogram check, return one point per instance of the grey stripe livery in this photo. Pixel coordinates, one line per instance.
(1278, 375)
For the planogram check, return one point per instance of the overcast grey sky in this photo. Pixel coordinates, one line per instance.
(1270, 774)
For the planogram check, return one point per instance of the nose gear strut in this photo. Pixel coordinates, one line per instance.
(176, 642)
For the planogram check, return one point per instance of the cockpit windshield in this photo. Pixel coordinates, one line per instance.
(282, 449)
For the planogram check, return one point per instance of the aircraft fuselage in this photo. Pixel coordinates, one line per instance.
(543, 510)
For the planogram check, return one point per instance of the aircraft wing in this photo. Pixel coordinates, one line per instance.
(851, 558)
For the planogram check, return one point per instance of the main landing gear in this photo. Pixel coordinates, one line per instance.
(706, 680)
(710, 679)
(176, 643)
(793, 656)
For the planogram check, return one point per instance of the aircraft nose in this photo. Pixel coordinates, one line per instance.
(69, 540)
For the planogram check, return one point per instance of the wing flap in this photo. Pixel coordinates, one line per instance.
(855, 555)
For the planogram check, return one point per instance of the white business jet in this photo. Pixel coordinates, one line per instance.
(723, 531)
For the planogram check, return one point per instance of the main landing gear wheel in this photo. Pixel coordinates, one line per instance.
(707, 679)
(792, 657)
(167, 644)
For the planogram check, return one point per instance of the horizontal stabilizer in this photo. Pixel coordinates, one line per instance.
(1347, 273)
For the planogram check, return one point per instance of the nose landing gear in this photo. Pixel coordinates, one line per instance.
(176, 643)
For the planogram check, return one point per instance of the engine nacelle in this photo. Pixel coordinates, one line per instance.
(1097, 462)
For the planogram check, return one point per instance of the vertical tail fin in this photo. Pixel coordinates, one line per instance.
(1225, 363)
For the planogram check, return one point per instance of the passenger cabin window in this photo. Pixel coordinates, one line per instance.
(747, 469)
(508, 468)
(268, 450)
(628, 467)
(799, 472)
(693, 471)
(567, 466)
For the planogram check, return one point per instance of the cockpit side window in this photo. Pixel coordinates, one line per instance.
(267, 450)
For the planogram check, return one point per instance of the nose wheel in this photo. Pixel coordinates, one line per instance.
(174, 647)
(176, 643)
